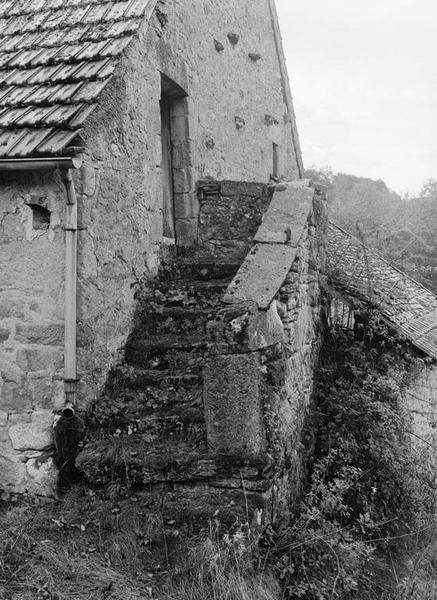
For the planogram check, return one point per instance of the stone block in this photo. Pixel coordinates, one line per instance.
(180, 127)
(15, 397)
(186, 206)
(36, 435)
(261, 275)
(244, 188)
(19, 418)
(40, 358)
(43, 475)
(286, 218)
(242, 327)
(183, 181)
(51, 334)
(4, 334)
(13, 474)
(233, 410)
(186, 231)
(182, 154)
(88, 180)
(47, 393)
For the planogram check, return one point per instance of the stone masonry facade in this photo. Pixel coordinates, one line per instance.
(225, 126)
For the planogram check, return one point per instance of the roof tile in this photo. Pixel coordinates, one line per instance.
(56, 56)
(90, 91)
(357, 271)
(56, 142)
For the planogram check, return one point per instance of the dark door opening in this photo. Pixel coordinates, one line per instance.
(167, 168)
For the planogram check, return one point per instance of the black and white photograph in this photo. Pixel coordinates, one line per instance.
(218, 300)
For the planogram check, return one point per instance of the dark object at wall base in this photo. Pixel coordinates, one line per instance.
(69, 432)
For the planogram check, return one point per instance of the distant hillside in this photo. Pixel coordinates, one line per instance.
(401, 230)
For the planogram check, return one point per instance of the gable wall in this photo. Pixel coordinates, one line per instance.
(120, 184)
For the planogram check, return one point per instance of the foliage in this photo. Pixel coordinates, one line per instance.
(113, 547)
(365, 498)
(222, 568)
(402, 230)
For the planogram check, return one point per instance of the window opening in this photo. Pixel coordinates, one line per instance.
(40, 217)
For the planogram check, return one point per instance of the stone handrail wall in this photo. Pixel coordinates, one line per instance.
(258, 383)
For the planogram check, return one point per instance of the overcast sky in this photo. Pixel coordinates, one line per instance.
(364, 81)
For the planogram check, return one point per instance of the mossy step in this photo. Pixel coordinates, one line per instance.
(186, 294)
(167, 352)
(183, 423)
(201, 269)
(174, 320)
(128, 377)
(128, 459)
(132, 460)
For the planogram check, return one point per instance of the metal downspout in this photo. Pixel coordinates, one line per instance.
(70, 372)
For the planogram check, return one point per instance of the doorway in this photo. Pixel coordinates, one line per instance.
(168, 209)
(176, 161)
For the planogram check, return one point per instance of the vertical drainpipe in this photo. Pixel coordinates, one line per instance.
(70, 372)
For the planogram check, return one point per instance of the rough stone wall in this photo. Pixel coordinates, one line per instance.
(299, 305)
(120, 184)
(422, 405)
(230, 214)
(31, 326)
(258, 387)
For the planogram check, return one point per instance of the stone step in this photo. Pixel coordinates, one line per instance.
(134, 460)
(175, 320)
(167, 352)
(130, 459)
(185, 424)
(126, 377)
(190, 508)
(202, 270)
(187, 294)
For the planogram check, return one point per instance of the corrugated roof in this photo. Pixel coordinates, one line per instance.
(357, 271)
(56, 57)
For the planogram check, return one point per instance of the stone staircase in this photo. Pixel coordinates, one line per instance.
(148, 429)
(206, 414)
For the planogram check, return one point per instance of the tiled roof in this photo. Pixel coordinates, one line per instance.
(406, 305)
(56, 56)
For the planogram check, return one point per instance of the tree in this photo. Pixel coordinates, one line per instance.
(429, 189)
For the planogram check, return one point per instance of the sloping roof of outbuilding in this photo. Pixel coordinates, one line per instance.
(409, 307)
(56, 57)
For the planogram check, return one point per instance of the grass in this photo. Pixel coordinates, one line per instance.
(81, 547)
(111, 547)
(90, 546)
(417, 576)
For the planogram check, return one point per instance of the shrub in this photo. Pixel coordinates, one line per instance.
(366, 495)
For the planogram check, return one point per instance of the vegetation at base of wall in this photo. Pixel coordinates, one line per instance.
(371, 497)
(110, 546)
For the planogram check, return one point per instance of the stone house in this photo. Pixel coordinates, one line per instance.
(361, 280)
(129, 128)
